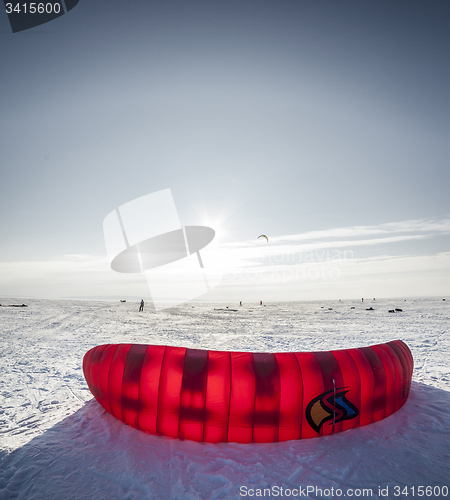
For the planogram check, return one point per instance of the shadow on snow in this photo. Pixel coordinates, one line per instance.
(90, 454)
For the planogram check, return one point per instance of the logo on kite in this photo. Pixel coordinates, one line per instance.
(330, 405)
(263, 236)
(145, 236)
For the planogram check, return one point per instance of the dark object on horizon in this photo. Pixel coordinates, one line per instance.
(391, 311)
(330, 309)
(353, 307)
(240, 303)
(370, 309)
(123, 301)
(13, 305)
(443, 299)
(227, 309)
(399, 310)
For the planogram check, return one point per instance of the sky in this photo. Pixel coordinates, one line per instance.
(322, 124)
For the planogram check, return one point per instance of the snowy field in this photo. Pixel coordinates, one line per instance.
(57, 442)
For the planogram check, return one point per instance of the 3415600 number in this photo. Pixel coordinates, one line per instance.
(420, 491)
(33, 8)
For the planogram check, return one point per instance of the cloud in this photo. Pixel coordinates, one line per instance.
(287, 268)
(334, 244)
(69, 275)
(343, 260)
(430, 227)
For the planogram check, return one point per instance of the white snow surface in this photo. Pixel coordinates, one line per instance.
(57, 442)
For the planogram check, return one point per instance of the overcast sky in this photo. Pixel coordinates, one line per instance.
(310, 121)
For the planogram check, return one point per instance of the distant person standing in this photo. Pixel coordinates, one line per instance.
(240, 303)
(141, 307)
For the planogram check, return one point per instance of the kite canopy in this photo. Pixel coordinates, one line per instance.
(263, 236)
(248, 397)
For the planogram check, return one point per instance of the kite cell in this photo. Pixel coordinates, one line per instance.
(245, 397)
(263, 236)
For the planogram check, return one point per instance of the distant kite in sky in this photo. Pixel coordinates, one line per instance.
(263, 236)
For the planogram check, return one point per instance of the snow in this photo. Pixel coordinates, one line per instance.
(57, 442)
